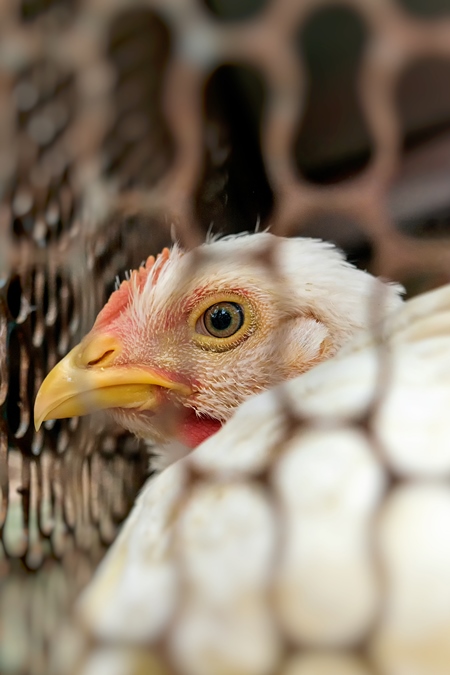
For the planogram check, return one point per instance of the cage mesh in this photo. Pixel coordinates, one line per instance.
(123, 121)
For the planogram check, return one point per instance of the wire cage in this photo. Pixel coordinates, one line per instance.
(122, 123)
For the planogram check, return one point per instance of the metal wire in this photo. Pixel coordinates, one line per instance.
(107, 141)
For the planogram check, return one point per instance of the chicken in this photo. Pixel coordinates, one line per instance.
(190, 336)
(278, 547)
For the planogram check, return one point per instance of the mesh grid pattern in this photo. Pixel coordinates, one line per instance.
(104, 145)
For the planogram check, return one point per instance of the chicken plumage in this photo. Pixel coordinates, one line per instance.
(330, 550)
(192, 335)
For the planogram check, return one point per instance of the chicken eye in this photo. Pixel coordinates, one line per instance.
(223, 319)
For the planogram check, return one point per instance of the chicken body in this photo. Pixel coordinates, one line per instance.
(190, 336)
(201, 566)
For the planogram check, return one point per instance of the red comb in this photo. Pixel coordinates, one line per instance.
(119, 300)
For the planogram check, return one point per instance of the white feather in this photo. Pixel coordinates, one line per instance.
(351, 560)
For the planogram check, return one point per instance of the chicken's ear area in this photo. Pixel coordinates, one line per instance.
(305, 342)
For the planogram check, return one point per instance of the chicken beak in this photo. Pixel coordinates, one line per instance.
(87, 380)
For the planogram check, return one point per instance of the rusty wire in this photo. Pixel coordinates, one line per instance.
(102, 139)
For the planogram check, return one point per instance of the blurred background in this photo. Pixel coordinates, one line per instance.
(123, 123)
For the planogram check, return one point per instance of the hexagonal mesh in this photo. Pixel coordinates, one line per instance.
(120, 121)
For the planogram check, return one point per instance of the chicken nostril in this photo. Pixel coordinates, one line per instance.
(97, 350)
(101, 359)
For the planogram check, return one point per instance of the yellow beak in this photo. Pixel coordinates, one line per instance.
(87, 380)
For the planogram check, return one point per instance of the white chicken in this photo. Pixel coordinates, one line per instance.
(317, 518)
(316, 535)
(190, 336)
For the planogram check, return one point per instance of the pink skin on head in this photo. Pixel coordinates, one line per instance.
(119, 299)
(192, 430)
